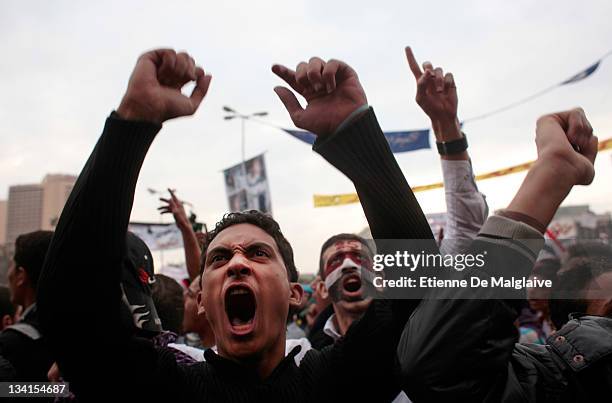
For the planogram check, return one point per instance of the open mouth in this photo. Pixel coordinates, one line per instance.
(352, 284)
(240, 308)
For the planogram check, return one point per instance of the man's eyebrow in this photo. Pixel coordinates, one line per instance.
(259, 244)
(217, 249)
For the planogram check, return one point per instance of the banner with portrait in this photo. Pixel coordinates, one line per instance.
(247, 187)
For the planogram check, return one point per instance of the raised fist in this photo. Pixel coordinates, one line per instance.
(154, 90)
(331, 89)
(566, 139)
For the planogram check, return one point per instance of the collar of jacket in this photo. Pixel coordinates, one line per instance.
(583, 341)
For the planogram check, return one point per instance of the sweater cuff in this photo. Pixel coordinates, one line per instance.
(348, 147)
(501, 227)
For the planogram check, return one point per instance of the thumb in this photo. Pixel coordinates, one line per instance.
(291, 103)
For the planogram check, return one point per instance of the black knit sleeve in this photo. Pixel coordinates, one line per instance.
(361, 152)
(79, 288)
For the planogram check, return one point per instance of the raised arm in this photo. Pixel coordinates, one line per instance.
(191, 245)
(474, 327)
(350, 138)
(466, 207)
(79, 289)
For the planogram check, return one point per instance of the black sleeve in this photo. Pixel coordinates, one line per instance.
(79, 288)
(362, 153)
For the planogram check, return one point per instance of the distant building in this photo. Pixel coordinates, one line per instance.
(56, 189)
(24, 212)
(3, 206)
(36, 206)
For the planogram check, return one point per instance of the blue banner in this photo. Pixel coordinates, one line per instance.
(399, 141)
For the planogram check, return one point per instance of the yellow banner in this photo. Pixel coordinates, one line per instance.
(349, 198)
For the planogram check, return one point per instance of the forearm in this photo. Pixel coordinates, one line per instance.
(192, 252)
(466, 207)
(361, 152)
(542, 191)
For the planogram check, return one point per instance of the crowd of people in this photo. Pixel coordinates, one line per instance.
(84, 304)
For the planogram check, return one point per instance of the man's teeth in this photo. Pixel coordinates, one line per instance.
(239, 322)
(238, 291)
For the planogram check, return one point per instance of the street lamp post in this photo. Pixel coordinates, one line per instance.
(235, 114)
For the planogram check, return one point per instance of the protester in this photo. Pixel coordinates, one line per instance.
(194, 321)
(535, 324)
(473, 328)
(583, 285)
(23, 353)
(466, 207)
(249, 278)
(167, 296)
(7, 309)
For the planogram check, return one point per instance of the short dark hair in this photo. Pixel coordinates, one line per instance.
(546, 269)
(587, 261)
(341, 237)
(30, 252)
(266, 223)
(6, 306)
(167, 296)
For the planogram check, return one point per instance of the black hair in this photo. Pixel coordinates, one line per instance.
(167, 296)
(547, 269)
(266, 223)
(30, 252)
(341, 237)
(586, 262)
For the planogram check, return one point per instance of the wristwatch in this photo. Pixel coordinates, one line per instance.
(453, 147)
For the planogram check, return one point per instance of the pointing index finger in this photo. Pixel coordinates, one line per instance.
(414, 66)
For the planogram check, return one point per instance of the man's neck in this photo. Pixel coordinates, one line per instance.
(265, 363)
(343, 320)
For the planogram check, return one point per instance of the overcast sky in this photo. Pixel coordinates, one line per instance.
(65, 65)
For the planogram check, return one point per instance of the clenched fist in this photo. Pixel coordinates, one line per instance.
(566, 139)
(154, 90)
(331, 89)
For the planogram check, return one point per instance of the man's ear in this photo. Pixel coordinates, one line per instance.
(296, 292)
(323, 290)
(21, 276)
(200, 301)
(7, 320)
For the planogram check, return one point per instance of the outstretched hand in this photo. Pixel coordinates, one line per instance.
(331, 89)
(174, 206)
(437, 96)
(154, 90)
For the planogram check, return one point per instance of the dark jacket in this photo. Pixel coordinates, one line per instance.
(23, 354)
(461, 345)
